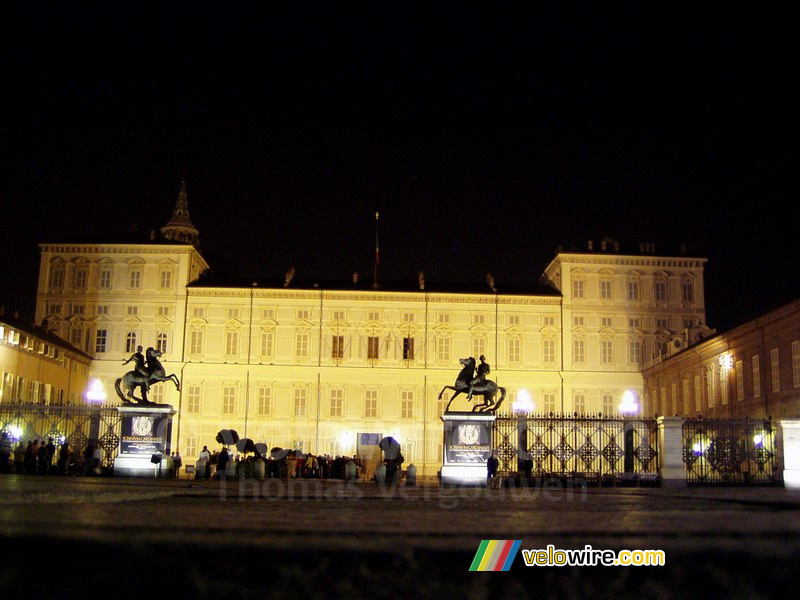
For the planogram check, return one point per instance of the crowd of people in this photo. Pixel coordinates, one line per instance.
(44, 457)
(279, 464)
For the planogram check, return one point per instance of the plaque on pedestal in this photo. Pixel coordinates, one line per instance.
(467, 446)
(146, 431)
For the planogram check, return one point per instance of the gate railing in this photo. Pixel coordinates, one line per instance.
(729, 452)
(590, 447)
(77, 425)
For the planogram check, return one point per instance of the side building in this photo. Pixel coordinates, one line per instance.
(38, 367)
(751, 370)
(310, 365)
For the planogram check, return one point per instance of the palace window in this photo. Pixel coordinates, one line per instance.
(606, 352)
(408, 348)
(104, 281)
(407, 404)
(264, 400)
(337, 346)
(165, 280)
(100, 341)
(633, 291)
(514, 350)
(578, 289)
(549, 402)
(193, 398)
(301, 344)
(336, 402)
(373, 347)
(57, 276)
(231, 344)
(266, 344)
(775, 370)
(196, 342)
(687, 290)
(161, 342)
(634, 352)
(606, 290)
(756, 376)
(578, 350)
(135, 280)
(228, 399)
(130, 342)
(660, 289)
(549, 351)
(371, 403)
(608, 404)
(299, 402)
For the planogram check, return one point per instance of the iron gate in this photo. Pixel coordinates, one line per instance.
(729, 452)
(590, 447)
(76, 425)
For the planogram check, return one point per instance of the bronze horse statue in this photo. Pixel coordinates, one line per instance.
(487, 389)
(134, 379)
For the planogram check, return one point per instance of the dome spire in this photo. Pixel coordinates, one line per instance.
(180, 227)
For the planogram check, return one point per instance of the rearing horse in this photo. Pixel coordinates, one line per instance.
(487, 389)
(133, 379)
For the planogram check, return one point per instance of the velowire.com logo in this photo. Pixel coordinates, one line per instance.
(495, 555)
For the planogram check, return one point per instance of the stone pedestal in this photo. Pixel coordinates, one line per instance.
(146, 431)
(790, 438)
(670, 446)
(467, 446)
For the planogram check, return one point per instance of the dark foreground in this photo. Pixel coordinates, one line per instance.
(146, 538)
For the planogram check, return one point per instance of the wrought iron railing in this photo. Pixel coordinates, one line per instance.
(77, 425)
(591, 447)
(729, 452)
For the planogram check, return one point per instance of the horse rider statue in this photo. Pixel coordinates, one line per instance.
(139, 360)
(480, 377)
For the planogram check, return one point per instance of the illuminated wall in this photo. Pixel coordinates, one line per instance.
(35, 368)
(312, 367)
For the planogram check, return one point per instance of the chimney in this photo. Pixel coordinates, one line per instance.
(421, 279)
(590, 243)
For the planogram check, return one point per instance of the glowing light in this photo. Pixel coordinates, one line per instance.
(523, 402)
(96, 393)
(758, 440)
(346, 441)
(726, 361)
(16, 431)
(628, 406)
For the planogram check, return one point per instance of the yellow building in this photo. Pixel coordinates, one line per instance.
(310, 365)
(39, 368)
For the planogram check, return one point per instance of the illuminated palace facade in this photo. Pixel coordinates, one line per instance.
(305, 365)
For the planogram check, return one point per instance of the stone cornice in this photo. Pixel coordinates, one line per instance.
(633, 260)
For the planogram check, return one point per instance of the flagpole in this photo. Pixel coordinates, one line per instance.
(377, 254)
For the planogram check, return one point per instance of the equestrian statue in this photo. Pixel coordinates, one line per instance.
(470, 383)
(147, 372)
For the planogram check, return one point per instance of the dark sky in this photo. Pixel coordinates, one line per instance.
(486, 137)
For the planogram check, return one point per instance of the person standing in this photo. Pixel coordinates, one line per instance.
(19, 458)
(177, 462)
(5, 453)
(204, 462)
(491, 466)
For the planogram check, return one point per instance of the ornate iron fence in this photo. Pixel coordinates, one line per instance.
(729, 452)
(590, 447)
(76, 425)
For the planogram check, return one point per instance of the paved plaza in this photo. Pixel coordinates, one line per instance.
(279, 538)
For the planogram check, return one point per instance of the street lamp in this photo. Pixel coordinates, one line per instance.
(96, 394)
(629, 406)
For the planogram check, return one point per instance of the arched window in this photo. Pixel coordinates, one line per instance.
(161, 343)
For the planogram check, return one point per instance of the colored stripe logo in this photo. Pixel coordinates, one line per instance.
(495, 555)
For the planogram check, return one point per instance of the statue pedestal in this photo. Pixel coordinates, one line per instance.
(467, 447)
(146, 430)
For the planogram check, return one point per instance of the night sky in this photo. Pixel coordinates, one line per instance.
(486, 137)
